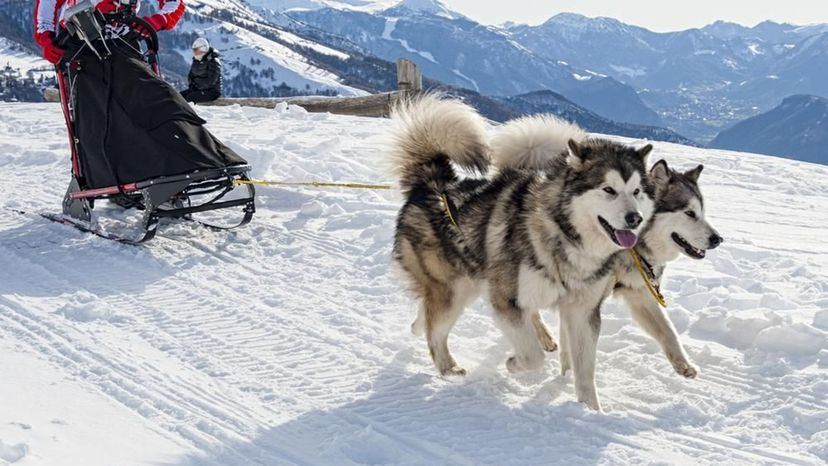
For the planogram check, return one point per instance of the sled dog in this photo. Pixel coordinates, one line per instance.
(538, 238)
(678, 226)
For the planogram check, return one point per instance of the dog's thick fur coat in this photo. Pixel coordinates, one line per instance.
(678, 226)
(548, 236)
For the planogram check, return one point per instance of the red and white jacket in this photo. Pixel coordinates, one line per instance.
(49, 13)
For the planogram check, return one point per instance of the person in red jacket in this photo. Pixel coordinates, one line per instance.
(49, 14)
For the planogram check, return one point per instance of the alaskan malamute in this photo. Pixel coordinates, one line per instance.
(677, 226)
(547, 238)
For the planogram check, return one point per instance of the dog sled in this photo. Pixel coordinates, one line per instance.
(134, 140)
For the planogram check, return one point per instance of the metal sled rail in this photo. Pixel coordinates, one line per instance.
(166, 197)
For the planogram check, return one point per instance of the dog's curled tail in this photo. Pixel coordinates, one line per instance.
(429, 131)
(533, 142)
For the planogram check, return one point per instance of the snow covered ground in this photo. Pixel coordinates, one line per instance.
(287, 342)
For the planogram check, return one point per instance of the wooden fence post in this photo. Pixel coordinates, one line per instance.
(409, 77)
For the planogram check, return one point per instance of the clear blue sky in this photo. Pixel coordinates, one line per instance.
(658, 15)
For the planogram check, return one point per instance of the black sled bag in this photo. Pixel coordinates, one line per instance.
(131, 126)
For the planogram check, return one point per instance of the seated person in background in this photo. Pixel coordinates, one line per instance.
(205, 74)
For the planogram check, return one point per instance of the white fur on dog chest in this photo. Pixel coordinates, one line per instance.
(536, 290)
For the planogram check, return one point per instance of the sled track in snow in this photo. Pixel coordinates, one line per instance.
(212, 325)
(286, 343)
(169, 409)
(244, 349)
(194, 417)
(213, 340)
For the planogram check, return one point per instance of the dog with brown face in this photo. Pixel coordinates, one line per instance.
(542, 232)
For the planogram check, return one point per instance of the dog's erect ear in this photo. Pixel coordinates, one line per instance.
(577, 154)
(660, 173)
(644, 152)
(694, 173)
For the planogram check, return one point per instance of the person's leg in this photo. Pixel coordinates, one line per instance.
(211, 95)
(186, 94)
(198, 97)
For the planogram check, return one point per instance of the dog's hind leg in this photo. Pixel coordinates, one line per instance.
(517, 325)
(544, 337)
(419, 324)
(442, 306)
(565, 358)
(582, 329)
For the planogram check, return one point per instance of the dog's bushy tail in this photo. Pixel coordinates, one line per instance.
(430, 131)
(533, 142)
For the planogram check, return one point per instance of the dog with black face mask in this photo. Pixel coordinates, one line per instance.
(535, 237)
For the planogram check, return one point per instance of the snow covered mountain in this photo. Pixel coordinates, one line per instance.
(268, 53)
(459, 51)
(288, 342)
(696, 82)
(17, 56)
(699, 80)
(434, 7)
(551, 102)
(259, 58)
(23, 74)
(797, 128)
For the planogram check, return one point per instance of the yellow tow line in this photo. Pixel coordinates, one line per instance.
(314, 184)
(651, 287)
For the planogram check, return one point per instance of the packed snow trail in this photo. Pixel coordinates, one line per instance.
(287, 342)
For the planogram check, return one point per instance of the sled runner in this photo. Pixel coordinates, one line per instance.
(134, 140)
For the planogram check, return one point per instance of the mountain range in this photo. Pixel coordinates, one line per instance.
(461, 52)
(797, 129)
(266, 53)
(699, 80)
(609, 76)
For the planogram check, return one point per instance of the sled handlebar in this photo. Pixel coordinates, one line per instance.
(84, 22)
(145, 31)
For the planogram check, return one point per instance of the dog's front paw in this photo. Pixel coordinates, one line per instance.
(593, 405)
(513, 365)
(685, 369)
(454, 371)
(591, 401)
(566, 363)
(548, 343)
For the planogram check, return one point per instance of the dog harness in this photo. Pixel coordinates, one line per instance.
(648, 275)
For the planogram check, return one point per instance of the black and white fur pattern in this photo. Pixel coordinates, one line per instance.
(678, 226)
(538, 238)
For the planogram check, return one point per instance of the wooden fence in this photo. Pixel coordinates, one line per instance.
(409, 81)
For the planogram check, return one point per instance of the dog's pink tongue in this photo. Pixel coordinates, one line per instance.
(626, 238)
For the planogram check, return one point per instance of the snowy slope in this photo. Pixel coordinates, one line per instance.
(288, 342)
(273, 62)
(430, 6)
(266, 63)
(13, 55)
